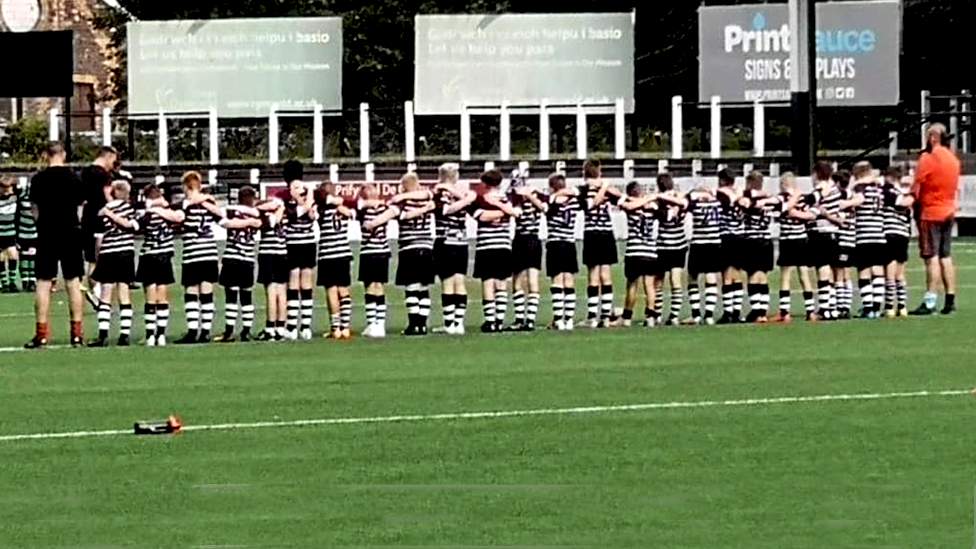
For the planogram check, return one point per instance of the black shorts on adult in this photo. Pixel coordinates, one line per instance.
(450, 260)
(65, 251)
(845, 257)
(636, 267)
(526, 253)
(870, 255)
(896, 249)
(935, 238)
(117, 268)
(671, 259)
(335, 273)
(273, 269)
(301, 256)
(415, 267)
(91, 247)
(199, 272)
(374, 268)
(793, 253)
(237, 274)
(732, 253)
(155, 270)
(493, 264)
(823, 249)
(759, 255)
(561, 258)
(705, 259)
(599, 248)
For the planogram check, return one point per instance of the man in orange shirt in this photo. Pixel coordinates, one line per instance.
(935, 190)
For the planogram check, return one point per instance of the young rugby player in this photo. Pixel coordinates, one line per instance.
(561, 259)
(242, 222)
(200, 258)
(116, 266)
(672, 246)
(8, 235)
(526, 251)
(374, 256)
(451, 246)
(871, 252)
(599, 244)
(846, 246)
(794, 249)
(493, 252)
(273, 269)
(898, 229)
(335, 258)
(415, 257)
(300, 237)
(640, 258)
(705, 253)
(155, 271)
(733, 231)
(822, 237)
(26, 240)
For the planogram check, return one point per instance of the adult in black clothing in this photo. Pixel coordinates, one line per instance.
(97, 180)
(57, 195)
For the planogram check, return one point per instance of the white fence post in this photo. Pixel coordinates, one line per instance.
(318, 139)
(107, 127)
(662, 166)
(759, 129)
(53, 131)
(364, 132)
(410, 137)
(163, 140)
(954, 123)
(925, 109)
(677, 128)
(370, 172)
(544, 130)
(580, 132)
(465, 133)
(505, 129)
(334, 173)
(892, 146)
(273, 135)
(620, 131)
(214, 138)
(715, 130)
(964, 137)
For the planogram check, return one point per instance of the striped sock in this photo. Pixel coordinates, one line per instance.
(592, 302)
(764, 300)
(823, 296)
(728, 299)
(878, 284)
(149, 319)
(206, 313)
(606, 302)
(162, 319)
(307, 309)
(247, 310)
(557, 304)
(193, 313)
(424, 307)
(738, 296)
(370, 309)
(784, 302)
(412, 304)
(448, 308)
(569, 304)
(104, 320)
(230, 309)
(488, 310)
(125, 320)
(676, 299)
(711, 299)
(891, 290)
(381, 310)
(658, 297)
(866, 289)
(345, 311)
(809, 303)
(460, 309)
(902, 294)
(533, 308)
(294, 310)
(518, 304)
(754, 299)
(501, 306)
(694, 300)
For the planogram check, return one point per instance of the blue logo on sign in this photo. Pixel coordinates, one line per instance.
(759, 22)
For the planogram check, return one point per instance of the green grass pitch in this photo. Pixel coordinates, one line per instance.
(879, 472)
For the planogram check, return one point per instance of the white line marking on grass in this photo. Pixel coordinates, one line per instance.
(510, 413)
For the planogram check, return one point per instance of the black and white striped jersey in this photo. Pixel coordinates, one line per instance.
(733, 218)
(333, 234)
(495, 234)
(157, 235)
(897, 220)
(26, 224)
(8, 216)
(561, 219)
(272, 240)
(118, 239)
(596, 217)
(870, 215)
(706, 220)
(847, 233)
(450, 229)
(641, 234)
(299, 225)
(530, 222)
(759, 219)
(791, 228)
(415, 234)
(827, 202)
(240, 242)
(671, 233)
(199, 242)
(374, 242)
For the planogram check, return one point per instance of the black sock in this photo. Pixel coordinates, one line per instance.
(950, 300)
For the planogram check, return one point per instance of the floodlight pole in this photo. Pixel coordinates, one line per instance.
(803, 83)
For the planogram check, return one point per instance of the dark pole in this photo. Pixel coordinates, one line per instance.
(67, 128)
(130, 127)
(803, 84)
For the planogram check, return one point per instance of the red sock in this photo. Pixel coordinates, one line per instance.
(42, 330)
(77, 329)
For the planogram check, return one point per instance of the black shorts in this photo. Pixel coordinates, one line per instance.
(91, 247)
(636, 267)
(671, 259)
(116, 268)
(871, 255)
(845, 257)
(374, 268)
(65, 251)
(335, 273)
(450, 260)
(28, 246)
(155, 270)
(732, 254)
(301, 256)
(273, 269)
(599, 248)
(561, 258)
(493, 264)
(897, 249)
(935, 238)
(415, 267)
(526, 253)
(823, 249)
(793, 253)
(199, 272)
(7, 242)
(237, 274)
(705, 259)
(759, 255)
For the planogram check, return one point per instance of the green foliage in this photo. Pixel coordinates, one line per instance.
(24, 140)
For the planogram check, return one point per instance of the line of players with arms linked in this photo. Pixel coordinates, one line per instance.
(850, 220)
